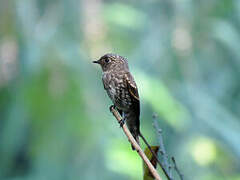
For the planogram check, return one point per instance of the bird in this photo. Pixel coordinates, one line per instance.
(122, 90)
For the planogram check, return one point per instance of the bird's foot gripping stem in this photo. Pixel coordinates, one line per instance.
(122, 122)
(112, 107)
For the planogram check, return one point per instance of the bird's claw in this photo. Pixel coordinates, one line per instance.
(112, 107)
(121, 122)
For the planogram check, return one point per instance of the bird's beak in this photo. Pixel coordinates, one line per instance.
(96, 62)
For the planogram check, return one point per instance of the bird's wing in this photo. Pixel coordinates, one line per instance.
(132, 87)
(133, 92)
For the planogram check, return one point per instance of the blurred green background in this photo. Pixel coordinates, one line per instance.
(54, 117)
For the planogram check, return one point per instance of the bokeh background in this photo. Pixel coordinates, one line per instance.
(54, 117)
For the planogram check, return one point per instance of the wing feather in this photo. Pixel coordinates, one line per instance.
(133, 92)
(132, 87)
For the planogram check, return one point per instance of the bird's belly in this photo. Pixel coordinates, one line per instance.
(117, 92)
(112, 92)
(122, 100)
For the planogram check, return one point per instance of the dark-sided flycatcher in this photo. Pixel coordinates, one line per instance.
(122, 89)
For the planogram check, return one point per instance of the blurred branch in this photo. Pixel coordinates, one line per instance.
(167, 167)
(160, 140)
(176, 168)
(136, 146)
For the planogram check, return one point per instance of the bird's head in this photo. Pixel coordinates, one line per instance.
(109, 62)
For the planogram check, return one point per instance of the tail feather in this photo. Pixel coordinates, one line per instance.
(132, 121)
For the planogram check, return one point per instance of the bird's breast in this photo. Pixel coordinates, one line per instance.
(116, 90)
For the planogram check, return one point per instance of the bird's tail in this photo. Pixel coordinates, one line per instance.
(132, 121)
(136, 137)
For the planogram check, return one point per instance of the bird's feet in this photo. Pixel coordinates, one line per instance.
(112, 107)
(122, 122)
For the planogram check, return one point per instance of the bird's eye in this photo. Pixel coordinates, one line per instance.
(107, 60)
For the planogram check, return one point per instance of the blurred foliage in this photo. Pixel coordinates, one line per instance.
(54, 117)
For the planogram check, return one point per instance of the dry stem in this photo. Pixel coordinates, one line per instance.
(136, 146)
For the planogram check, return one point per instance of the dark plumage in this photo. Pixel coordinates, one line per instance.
(122, 89)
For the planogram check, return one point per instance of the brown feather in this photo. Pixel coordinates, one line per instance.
(132, 87)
